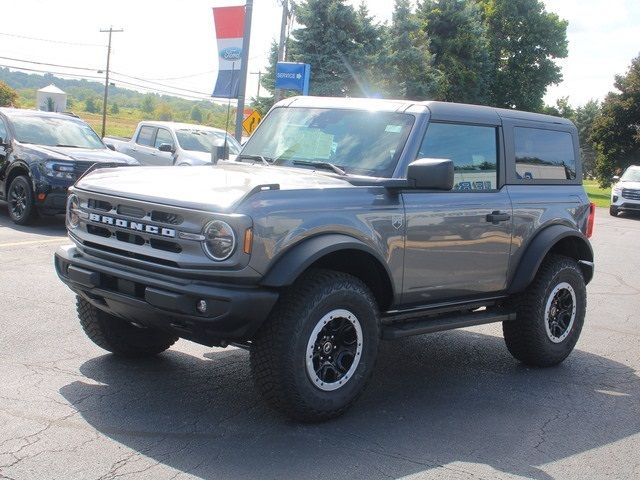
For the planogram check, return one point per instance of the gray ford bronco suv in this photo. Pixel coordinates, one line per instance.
(343, 222)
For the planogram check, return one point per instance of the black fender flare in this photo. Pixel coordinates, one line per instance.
(301, 256)
(18, 165)
(541, 245)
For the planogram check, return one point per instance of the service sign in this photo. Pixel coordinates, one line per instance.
(293, 76)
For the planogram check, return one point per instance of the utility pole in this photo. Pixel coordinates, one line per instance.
(283, 39)
(244, 69)
(106, 78)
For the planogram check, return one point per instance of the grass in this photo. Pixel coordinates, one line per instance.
(600, 196)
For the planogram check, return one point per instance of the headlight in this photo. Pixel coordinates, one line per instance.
(73, 211)
(59, 170)
(220, 240)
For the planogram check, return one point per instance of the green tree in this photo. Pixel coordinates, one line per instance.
(8, 95)
(409, 71)
(458, 42)
(585, 118)
(90, 105)
(163, 112)
(616, 131)
(371, 58)
(115, 109)
(196, 114)
(327, 40)
(50, 105)
(524, 42)
(148, 103)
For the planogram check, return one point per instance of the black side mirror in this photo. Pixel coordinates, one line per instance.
(219, 152)
(166, 147)
(110, 146)
(431, 174)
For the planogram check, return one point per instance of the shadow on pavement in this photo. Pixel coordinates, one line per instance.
(433, 401)
(47, 225)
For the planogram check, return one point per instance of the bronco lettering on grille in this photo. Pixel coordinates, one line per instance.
(136, 226)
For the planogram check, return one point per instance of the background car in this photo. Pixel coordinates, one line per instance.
(625, 194)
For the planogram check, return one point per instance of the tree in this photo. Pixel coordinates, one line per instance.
(409, 68)
(327, 40)
(458, 42)
(585, 118)
(616, 131)
(90, 105)
(524, 41)
(148, 103)
(50, 105)
(8, 95)
(196, 114)
(163, 112)
(371, 58)
(115, 109)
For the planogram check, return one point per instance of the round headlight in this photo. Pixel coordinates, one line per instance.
(73, 205)
(220, 241)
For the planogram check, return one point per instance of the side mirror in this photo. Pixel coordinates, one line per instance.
(431, 174)
(110, 146)
(219, 152)
(615, 178)
(166, 147)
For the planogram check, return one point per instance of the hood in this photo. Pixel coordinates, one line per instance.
(82, 154)
(212, 188)
(629, 185)
(199, 158)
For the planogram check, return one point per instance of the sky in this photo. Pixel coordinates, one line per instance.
(173, 43)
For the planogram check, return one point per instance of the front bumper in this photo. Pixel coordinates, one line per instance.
(234, 313)
(625, 204)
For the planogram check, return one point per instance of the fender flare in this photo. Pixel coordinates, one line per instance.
(21, 165)
(541, 245)
(301, 256)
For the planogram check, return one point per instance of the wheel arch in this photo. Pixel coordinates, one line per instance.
(16, 169)
(334, 252)
(554, 239)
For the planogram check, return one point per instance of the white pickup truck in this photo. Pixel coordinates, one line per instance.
(170, 143)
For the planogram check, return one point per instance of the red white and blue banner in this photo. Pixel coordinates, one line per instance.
(229, 22)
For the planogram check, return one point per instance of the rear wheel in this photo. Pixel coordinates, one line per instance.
(20, 201)
(613, 211)
(550, 314)
(316, 352)
(119, 336)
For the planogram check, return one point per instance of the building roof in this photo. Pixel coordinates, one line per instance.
(52, 89)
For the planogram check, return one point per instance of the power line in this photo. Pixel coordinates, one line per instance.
(186, 76)
(77, 44)
(49, 64)
(159, 84)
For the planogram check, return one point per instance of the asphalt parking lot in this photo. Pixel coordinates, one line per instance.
(453, 405)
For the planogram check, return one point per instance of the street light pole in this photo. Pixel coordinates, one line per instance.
(106, 79)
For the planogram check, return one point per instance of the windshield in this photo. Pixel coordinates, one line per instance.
(631, 175)
(205, 140)
(55, 132)
(358, 141)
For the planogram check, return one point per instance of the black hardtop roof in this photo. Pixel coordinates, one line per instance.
(446, 111)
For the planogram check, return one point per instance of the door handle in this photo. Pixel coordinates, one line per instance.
(497, 216)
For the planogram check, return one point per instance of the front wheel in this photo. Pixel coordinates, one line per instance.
(316, 352)
(613, 211)
(20, 201)
(550, 314)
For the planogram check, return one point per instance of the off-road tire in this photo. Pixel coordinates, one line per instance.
(526, 337)
(118, 336)
(279, 351)
(26, 212)
(613, 211)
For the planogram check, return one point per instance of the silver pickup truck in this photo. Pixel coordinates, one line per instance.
(171, 143)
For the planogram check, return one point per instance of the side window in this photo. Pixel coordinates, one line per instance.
(145, 136)
(473, 150)
(163, 136)
(544, 154)
(3, 131)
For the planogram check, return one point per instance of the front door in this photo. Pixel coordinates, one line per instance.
(458, 242)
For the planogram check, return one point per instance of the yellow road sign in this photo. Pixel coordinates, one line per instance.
(251, 122)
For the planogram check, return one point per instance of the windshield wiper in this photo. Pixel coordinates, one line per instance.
(68, 146)
(264, 160)
(325, 165)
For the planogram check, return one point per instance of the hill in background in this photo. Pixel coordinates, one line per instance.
(125, 107)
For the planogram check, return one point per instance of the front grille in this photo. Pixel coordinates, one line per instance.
(631, 194)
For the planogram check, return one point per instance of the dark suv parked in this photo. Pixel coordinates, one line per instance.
(342, 222)
(41, 156)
